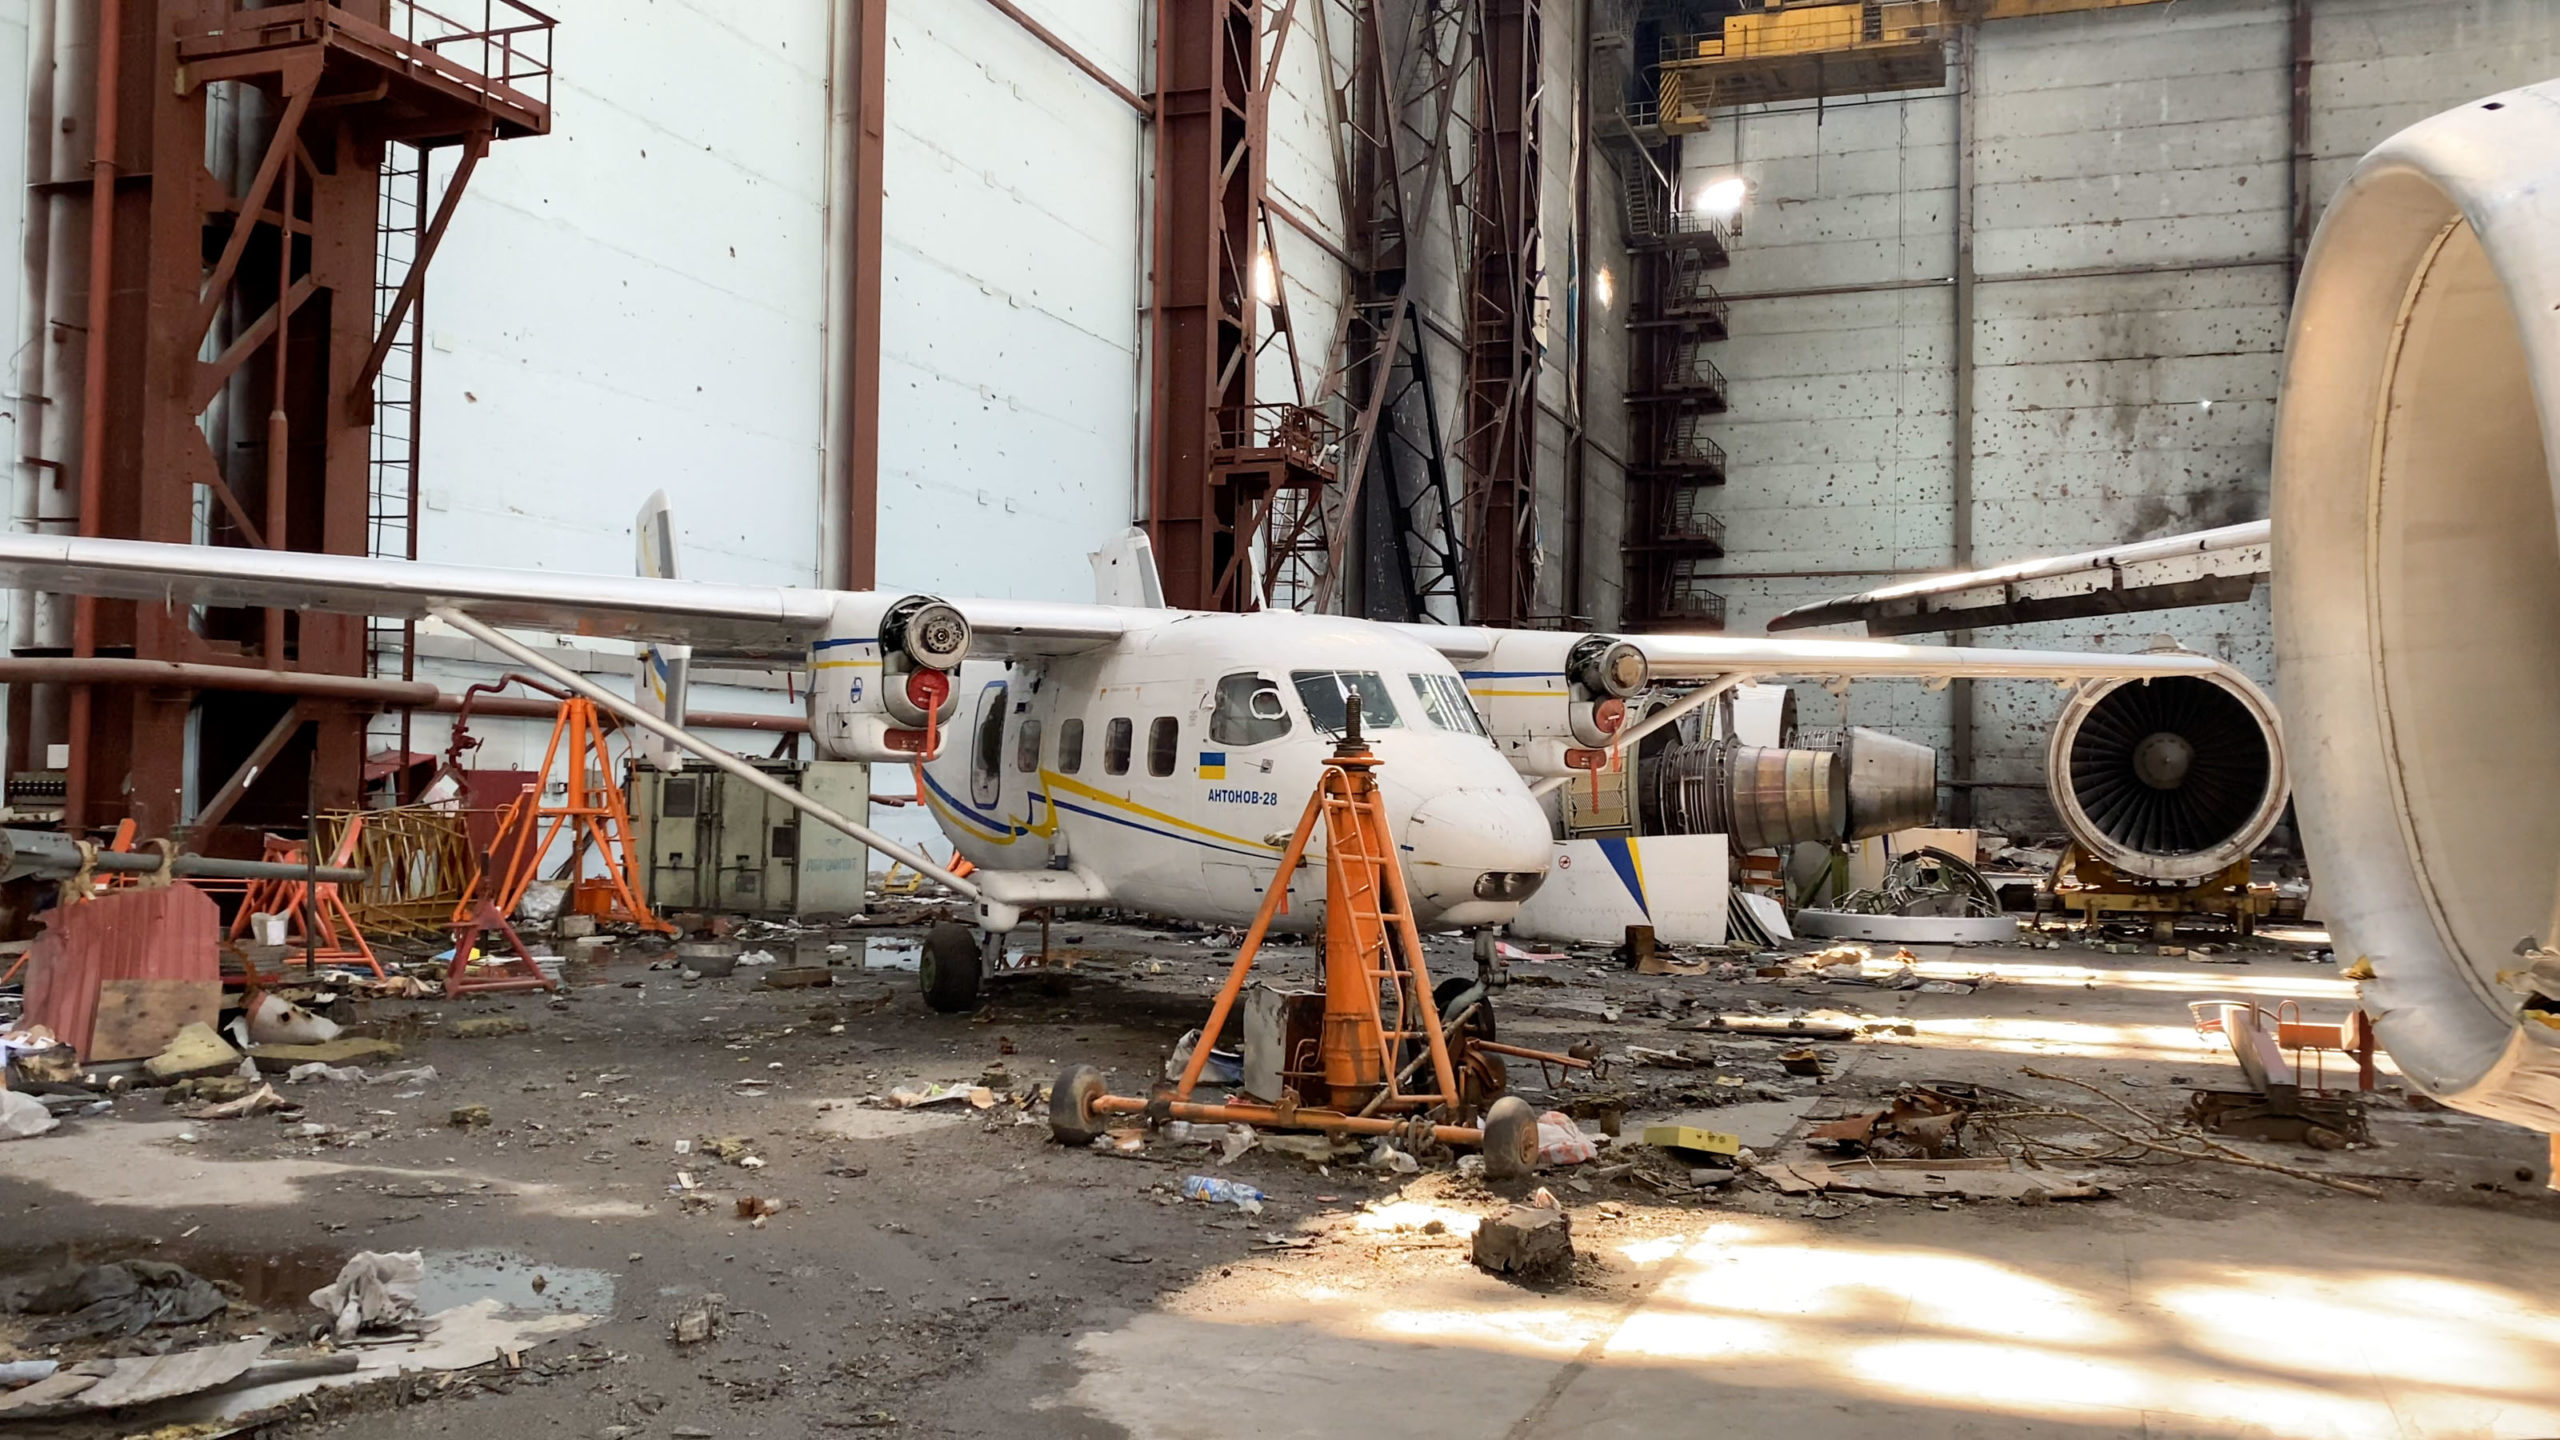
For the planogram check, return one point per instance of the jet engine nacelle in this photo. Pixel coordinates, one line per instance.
(2174, 780)
(2417, 592)
(880, 685)
(1554, 701)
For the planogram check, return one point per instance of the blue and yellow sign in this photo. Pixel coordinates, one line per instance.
(1213, 764)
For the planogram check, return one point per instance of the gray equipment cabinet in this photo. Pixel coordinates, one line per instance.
(711, 842)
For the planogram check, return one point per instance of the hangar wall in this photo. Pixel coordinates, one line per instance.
(2131, 240)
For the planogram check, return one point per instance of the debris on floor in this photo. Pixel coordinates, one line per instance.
(703, 1318)
(1526, 1242)
(373, 1291)
(123, 1298)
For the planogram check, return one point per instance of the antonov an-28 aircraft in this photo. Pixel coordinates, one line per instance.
(1115, 753)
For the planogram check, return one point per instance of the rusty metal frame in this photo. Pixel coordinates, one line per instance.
(1385, 197)
(1208, 187)
(289, 302)
(1505, 268)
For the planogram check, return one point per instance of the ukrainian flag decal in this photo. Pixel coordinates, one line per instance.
(1213, 764)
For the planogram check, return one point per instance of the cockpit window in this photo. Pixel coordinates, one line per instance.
(1322, 692)
(1445, 702)
(1248, 711)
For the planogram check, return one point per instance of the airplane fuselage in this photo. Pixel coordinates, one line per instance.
(1172, 765)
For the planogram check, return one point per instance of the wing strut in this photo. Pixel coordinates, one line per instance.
(1653, 722)
(676, 734)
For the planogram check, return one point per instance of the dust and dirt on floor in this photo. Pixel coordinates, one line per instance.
(1945, 1190)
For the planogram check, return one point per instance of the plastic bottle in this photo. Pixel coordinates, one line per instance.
(1222, 1192)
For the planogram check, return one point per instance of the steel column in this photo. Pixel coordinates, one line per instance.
(1504, 270)
(1208, 183)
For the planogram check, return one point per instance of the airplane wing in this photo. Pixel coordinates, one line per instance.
(1711, 657)
(2206, 567)
(766, 621)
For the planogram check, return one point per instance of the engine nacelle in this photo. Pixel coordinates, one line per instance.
(880, 683)
(2417, 592)
(1555, 701)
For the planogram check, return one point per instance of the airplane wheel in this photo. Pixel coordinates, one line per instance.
(1071, 1116)
(949, 968)
(1510, 1139)
(1480, 1024)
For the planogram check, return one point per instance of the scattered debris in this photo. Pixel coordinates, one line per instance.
(1803, 1060)
(940, 1094)
(1561, 1141)
(125, 1297)
(487, 1027)
(198, 1051)
(257, 1101)
(1526, 1242)
(470, 1117)
(1217, 1191)
(22, 1116)
(280, 1059)
(274, 1020)
(1920, 1123)
(1690, 1142)
(701, 1319)
(374, 1291)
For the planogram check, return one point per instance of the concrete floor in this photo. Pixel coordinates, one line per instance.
(957, 1274)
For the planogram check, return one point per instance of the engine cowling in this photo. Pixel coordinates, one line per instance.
(2417, 591)
(2172, 780)
(880, 684)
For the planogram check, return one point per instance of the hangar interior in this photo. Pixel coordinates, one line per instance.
(1612, 356)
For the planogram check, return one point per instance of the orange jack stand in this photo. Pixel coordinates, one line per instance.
(590, 812)
(317, 914)
(1381, 1028)
(488, 975)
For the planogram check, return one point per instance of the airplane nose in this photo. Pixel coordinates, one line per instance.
(1475, 854)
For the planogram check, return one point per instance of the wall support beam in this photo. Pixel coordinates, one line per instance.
(856, 201)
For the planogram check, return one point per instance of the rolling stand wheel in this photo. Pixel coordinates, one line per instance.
(1510, 1139)
(949, 968)
(1071, 1117)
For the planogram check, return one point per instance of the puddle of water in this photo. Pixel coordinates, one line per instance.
(888, 954)
(460, 1277)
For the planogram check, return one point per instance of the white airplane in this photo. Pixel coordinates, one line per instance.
(1115, 753)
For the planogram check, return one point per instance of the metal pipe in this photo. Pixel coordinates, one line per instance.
(677, 735)
(52, 856)
(114, 670)
(1269, 1117)
(93, 384)
(279, 428)
(388, 694)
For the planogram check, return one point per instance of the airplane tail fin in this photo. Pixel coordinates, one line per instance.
(663, 669)
(1124, 572)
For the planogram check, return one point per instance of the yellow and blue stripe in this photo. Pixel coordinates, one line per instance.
(1551, 687)
(1625, 858)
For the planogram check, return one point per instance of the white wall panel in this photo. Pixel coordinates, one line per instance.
(1010, 385)
(635, 301)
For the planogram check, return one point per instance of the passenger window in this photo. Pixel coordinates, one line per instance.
(1026, 748)
(1070, 746)
(1163, 737)
(986, 763)
(1115, 745)
(1322, 692)
(1248, 711)
(1445, 701)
